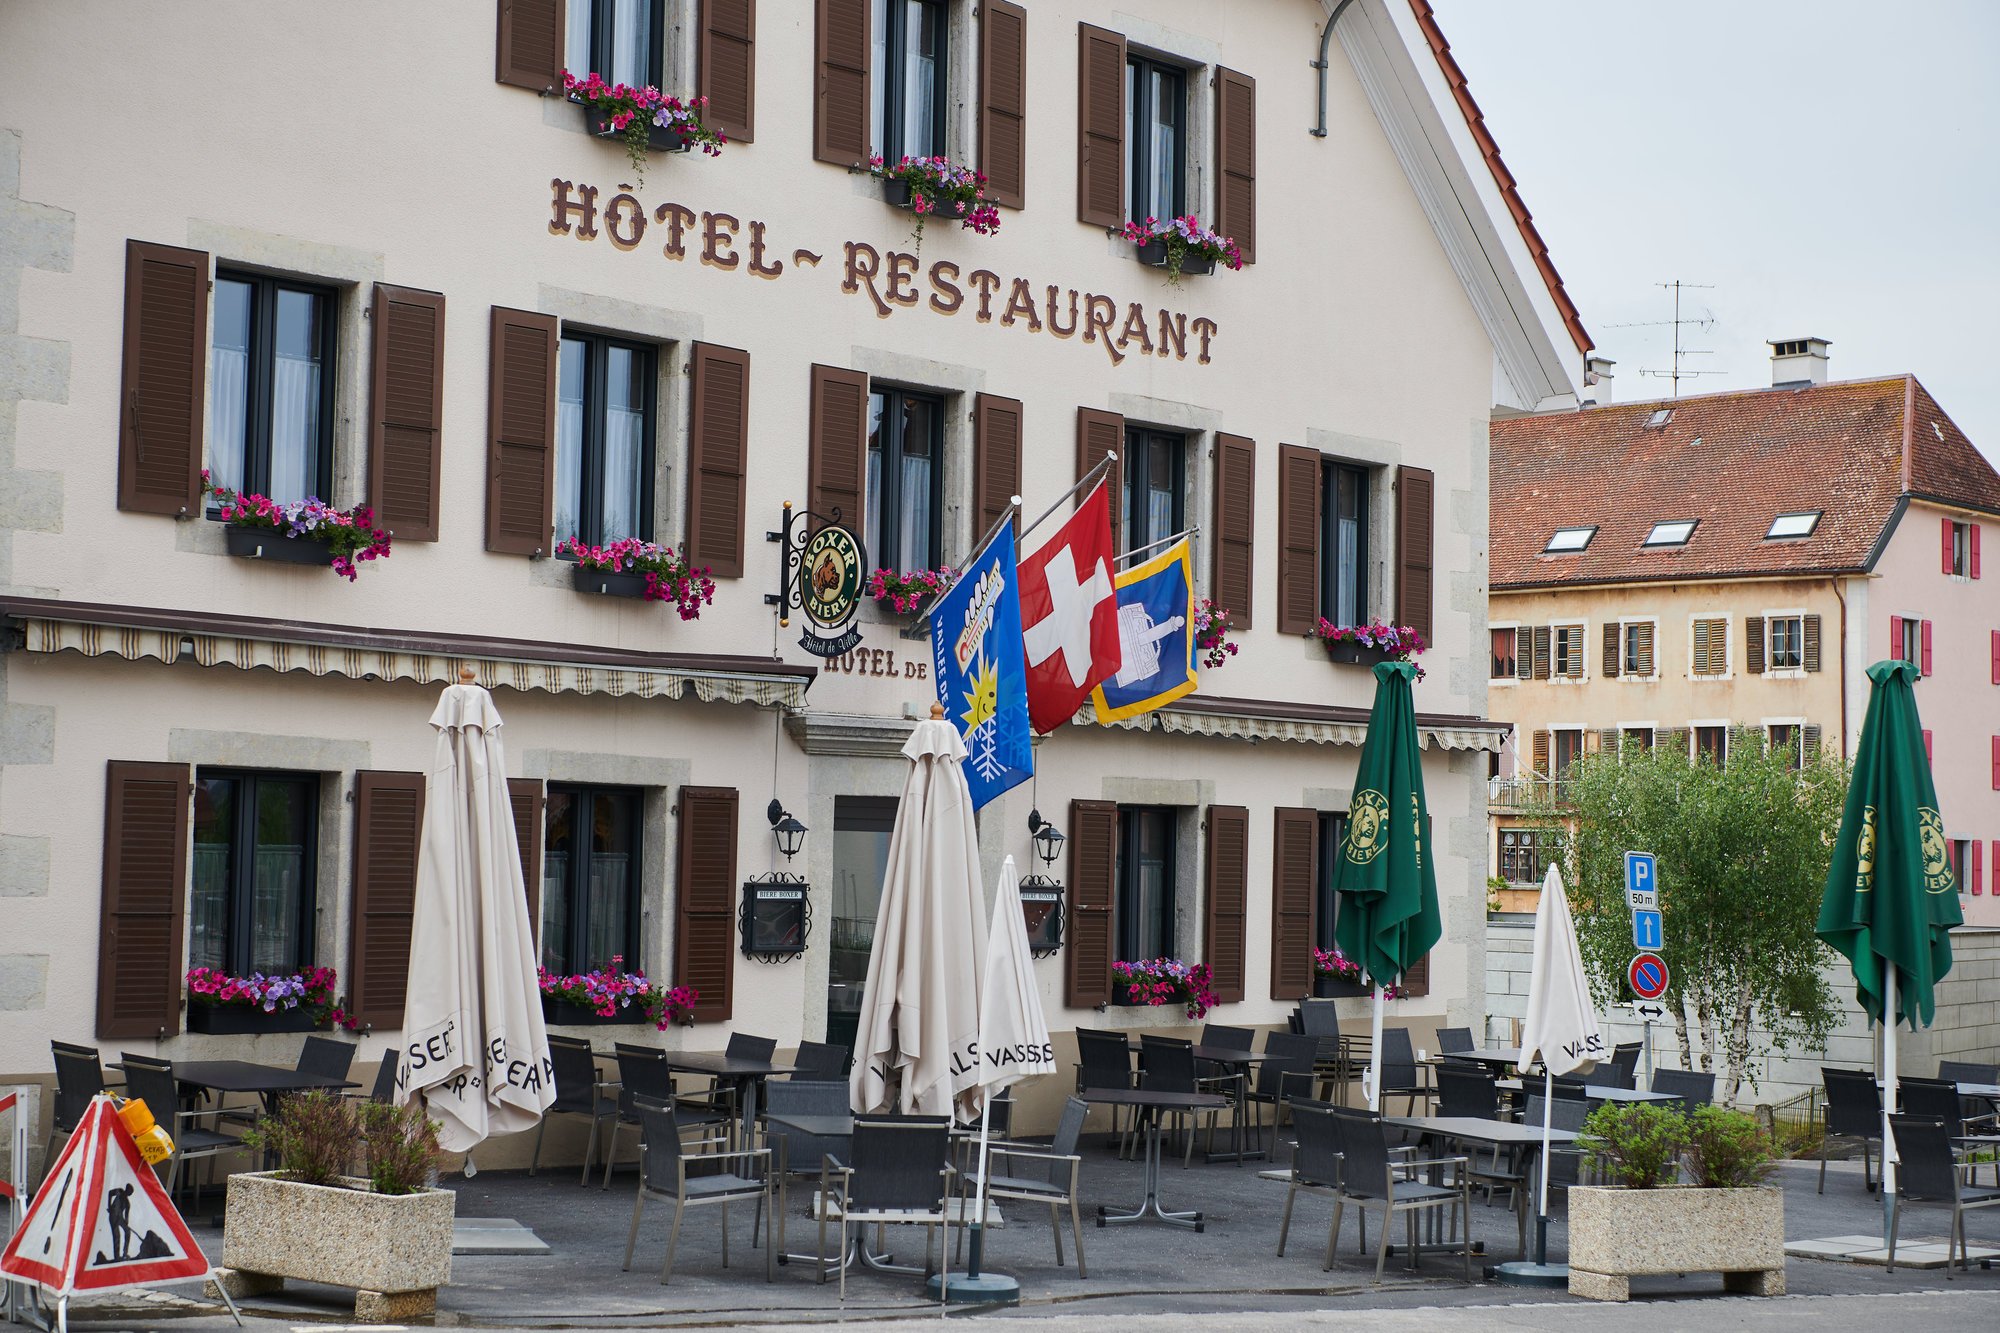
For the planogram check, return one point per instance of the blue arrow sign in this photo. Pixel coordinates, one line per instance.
(1648, 935)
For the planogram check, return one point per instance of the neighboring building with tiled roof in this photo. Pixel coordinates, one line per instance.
(1665, 572)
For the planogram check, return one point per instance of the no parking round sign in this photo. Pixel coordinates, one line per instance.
(1647, 976)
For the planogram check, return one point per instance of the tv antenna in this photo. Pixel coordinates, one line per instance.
(1679, 321)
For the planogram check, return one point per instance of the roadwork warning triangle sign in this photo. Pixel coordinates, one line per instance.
(102, 1220)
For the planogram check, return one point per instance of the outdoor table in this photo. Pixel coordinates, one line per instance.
(1498, 1055)
(1594, 1093)
(831, 1127)
(1486, 1133)
(268, 1081)
(1153, 1101)
(1239, 1061)
(746, 1074)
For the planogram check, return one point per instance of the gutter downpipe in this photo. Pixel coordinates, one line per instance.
(1325, 45)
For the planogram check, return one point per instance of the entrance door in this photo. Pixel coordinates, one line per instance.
(861, 827)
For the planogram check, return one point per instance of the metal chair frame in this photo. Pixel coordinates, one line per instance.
(1928, 1171)
(1364, 1151)
(1853, 1111)
(886, 1182)
(1058, 1153)
(573, 1060)
(659, 1143)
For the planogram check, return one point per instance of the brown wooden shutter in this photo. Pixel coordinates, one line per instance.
(1414, 540)
(525, 796)
(726, 67)
(161, 393)
(718, 458)
(1811, 741)
(1294, 900)
(388, 825)
(1417, 981)
(530, 53)
(1003, 101)
(1524, 652)
(1541, 754)
(1298, 539)
(1646, 649)
(1810, 649)
(1100, 127)
(1753, 644)
(1611, 650)
(1227, 899)
(1236, 160)
(143, 905)
(996, 459)
(837, 451)
(1093, 871)
(1232, 581)
(521, 433)
(841, 49)
(1672, 739)
(405, 420)
(1541, 653)
(705, 901)
(1099, 433)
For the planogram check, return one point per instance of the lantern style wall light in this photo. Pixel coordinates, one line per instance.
(1042, 894)
(775, 914)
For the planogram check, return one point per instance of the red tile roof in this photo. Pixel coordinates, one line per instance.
(1732, 461)
(1490, 149)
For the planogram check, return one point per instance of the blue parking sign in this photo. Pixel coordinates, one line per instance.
(1642, 882)
(1648, 934)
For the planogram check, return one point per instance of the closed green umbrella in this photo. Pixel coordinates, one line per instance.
(1891, 899)
(1388, 917)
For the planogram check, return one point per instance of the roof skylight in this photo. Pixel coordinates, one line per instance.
(1793, 525)
(1569, 539)
(1671, 534)
(1659, 418)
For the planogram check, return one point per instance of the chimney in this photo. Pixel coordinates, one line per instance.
(1798, 361)
(1597, 379)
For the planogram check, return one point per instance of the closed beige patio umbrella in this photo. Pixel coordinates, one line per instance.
(476, 1051)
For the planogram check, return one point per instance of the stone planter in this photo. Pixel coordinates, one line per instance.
(659, 138)
(1153, 254)
(394, 1250)
(1355, 654)
(271, 544)
(571, 1015)
(240, 1020)
(1333, 988)
(603, 583)
(1619, 1234)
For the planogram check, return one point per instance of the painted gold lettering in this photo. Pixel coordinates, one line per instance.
(1021, 300)
(1204, 328)
(678, 218)
(902, 278)
(987, 283)
(717, 231)
(562, 206)
(1055, 324)
(858, 274)
(625, 213)
(757, 264)
(946, 296)
(1135, 324)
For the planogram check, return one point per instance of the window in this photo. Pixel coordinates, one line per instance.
(1343, 546)
(1671, 534)
(1154, 508)
(270, 391)
(905, 479)
(1504, 661)
(1635, 738)
(1155, 137)
(1146, 839)
(252, 896)
(1569, 539)
(1711, 743)
(1961, 860)
(1793, 525)
(1788, 739)
(590, 878)
(861, 829)
(1636, 648)
(1711, 646)
(1332, 828)
(1785, 643)
(1568, 745)
(1568, 661)
(1959, 558)
(907, 91)
(1911, 647)
(618, 39)
(604, 440)
(1521, 856)
(1660, 417)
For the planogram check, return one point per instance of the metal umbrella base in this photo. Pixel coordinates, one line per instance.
(974, 1287)
(1527, 1273)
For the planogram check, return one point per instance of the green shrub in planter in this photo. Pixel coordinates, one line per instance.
(1636, 1144)
(1728, 1150)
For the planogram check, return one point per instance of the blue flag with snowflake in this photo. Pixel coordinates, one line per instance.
(982, 671)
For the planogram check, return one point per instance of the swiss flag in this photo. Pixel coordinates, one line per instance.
(1069, 614)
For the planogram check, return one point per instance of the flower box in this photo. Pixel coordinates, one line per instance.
(897, 194)
(242, 1020)
(1356, 654)
(1618, 1234)
(380, 1245)
(659, 138)
(271, 544)
(1335, 988)
(605, 583)
(567, 1013)
(1153, 253)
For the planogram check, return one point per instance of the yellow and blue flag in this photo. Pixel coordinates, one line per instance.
(981, 667)
(1156, 635)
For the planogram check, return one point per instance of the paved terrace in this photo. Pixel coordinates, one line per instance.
(1136, 1270)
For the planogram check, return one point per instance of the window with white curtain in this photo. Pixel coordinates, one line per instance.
(618, 40)
(271, 387)
(907, 92)
(905, 479)
(605, 407)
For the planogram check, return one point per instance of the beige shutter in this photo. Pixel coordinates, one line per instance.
(1645, 633)
(1753, 644)
(1542, 637)
(1810, 653)
(1611, 647)
(1524, 652)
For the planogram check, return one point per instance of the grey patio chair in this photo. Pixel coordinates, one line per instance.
(1400, 1077)
(1454, 1041)
(1978, 1113)
(384, 1090)
(579, 1093)
(79, 1077)
(1315, 1170)
(1927, 1171)
(326, 1057)
(152, 1081)
(1371, 1176)
(724, 1096)
(799, 1154)
(663, 1175)
(642, 1075)
(1104, 1060)
(1036, 1173)
(819, 1062)
(1166, 1064)
(1466, 1089)
(1853, 1111)
(1625, 1056)
(1220, 1079)
(1283, 1077)
(1566, 1162)
(1694, 1087)
(897, 1171)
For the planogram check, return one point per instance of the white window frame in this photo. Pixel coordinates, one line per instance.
(1694, 740)
(1964, 575)
(1512, 627)
(1555, 727)
(1784, 613)
(1652, 730)
(1582, 628)
(1728, 671)
(1654, 621)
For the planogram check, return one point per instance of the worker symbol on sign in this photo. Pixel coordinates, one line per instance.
(1647, 976)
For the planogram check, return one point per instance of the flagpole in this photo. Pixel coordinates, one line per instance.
(1888, 1099)
(1103, 464)
(1194, 531)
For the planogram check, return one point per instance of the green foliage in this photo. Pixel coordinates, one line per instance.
(312, 1137)
(1743, 851)
(1494, 884)
(1636, 1144)
(401, 1145)
(1727, 1149)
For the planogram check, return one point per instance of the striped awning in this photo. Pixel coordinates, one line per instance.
(1243, 720)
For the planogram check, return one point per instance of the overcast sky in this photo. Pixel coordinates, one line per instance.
(1832, 168)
